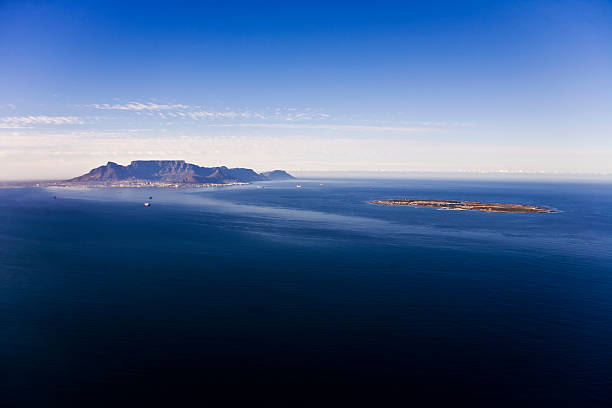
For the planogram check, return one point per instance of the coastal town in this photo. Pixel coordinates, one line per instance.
(134, 184)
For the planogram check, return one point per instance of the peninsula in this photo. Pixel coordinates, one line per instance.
(166, 173)
(466, 205)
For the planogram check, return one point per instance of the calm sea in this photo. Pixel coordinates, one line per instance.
(306, 297)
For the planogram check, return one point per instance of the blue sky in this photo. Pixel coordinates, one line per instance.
(315, 86)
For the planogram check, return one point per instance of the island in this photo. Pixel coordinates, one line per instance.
(466, 205)
(163, 173)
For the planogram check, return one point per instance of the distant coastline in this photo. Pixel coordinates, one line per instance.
(160, 174)
(123, 184)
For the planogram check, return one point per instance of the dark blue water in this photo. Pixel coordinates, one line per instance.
(306, 297)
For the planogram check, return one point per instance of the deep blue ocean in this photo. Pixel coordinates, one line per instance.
(306, 297)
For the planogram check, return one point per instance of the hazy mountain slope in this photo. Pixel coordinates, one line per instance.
(176, 171)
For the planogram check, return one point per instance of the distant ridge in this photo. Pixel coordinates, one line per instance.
(175, 171)
(277, 175)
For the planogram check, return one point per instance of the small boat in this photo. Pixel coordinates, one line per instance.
(147, 204)
(150, 198)
(298, 186)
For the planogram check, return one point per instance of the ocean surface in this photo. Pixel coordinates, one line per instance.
(306, 297)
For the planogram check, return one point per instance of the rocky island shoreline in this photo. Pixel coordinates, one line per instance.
(466, 205)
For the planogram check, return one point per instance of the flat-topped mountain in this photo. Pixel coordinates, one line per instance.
(175, 171)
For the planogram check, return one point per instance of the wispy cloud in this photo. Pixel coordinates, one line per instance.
(24, 121)
(137, 106)
(350, 128)
(194, 112)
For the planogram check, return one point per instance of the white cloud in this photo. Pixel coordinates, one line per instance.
(137, 106)
(10, 122)
(350, 128)
(197, 113)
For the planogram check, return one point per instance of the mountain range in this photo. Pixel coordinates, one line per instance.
(175, 171)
